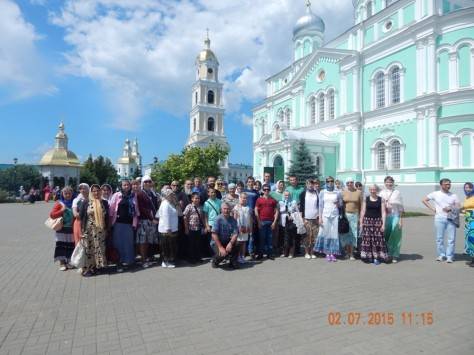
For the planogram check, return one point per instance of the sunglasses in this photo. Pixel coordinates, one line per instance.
(329, 181)
(266, 189)
(146, 182)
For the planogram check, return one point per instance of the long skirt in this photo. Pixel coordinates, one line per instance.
(393, 235)
(94, 247)
(64, 247)
(373, 242)
(76, 229)
(350, 238)
(327, 241)
(169, 246)
(469, 232)
(124, 243)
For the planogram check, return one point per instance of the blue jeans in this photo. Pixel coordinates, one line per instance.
(442, 226)
(266, 240)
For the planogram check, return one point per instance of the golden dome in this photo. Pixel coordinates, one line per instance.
(126, 160)
(60, 157)
(206, 54)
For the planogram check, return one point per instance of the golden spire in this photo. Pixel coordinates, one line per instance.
(207, 41)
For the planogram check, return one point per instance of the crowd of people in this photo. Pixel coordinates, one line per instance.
(236, 223)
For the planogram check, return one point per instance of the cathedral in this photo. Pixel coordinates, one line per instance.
(392, 95)
(206, 119)
(130, 163)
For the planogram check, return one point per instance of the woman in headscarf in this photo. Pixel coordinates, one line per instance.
(327, 242)
(64, 237)
(106, 190)
(231, 197)
(393, 221)
(167, 217)
(277, 195)
(76, 206)
(94, 214)
(146, 232)
(123, 215)
(468, 208)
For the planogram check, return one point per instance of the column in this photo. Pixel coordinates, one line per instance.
(433, 137)
(418, 9)
(400, 18)
(419, 68)
(430, 9)
(402, 84)
(304, 119)
(453, 70)
(342, 101)
(472, 67)
(431, 64)
(287, 160)
(454, 158)
(420, 138)
(355, 147)
(387, 89)
(355, 89)
(342, 150)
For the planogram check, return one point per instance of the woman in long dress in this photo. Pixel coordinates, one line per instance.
(372, 218)
(94, 215)
(64, 237)
(76, 206)
(327, 242)
(393, 221)
(468, 209)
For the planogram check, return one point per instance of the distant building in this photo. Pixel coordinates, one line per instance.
(206, 120)
(60, 165)
(130, 161)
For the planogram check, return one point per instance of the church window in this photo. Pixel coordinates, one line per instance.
(312, 104)
(280, 115)
(277, 133)
(288, 117)
(209, 70)
(194, 125)
(196, 97)
(321, 107)
(210, 124)
(331, 104)
(381, 156)
(388, 26)
(321, 76)
(369, 8)
(395, 85)
(395, 152)
(380, 90)
(210, 97)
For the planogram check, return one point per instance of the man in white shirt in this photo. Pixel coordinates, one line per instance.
(442, 203)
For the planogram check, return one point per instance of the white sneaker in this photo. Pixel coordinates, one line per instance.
(307, 256)
(440, 258)
(282, 255)
(164, 264)
(352, 258)
(394, 261)
(449, 260)
(171, 266)
(290, 256)
(313, 256)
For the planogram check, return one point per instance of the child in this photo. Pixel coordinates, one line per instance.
(193, 227)
(243, 215)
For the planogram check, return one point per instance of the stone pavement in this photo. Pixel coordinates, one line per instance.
(276, 307)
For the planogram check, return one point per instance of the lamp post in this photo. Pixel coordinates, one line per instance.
(15, 161)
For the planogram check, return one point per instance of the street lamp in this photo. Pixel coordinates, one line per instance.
(15, 161)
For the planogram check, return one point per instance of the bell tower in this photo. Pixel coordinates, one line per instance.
(206, 119)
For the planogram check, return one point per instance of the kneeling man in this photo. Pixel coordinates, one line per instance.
(224, 238)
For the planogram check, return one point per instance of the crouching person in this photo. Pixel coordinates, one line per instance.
(224, 238)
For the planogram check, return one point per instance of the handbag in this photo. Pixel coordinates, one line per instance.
(78, 257)
(343, 223)
(453, 217)
(55, 224)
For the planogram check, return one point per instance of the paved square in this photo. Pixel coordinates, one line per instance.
(276, 307)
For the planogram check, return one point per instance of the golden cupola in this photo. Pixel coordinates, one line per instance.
(60, 155)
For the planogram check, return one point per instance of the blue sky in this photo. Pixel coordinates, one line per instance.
(117, 69)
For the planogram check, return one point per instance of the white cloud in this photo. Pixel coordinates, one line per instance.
(21, 68)
(247, 120)
(143, 52)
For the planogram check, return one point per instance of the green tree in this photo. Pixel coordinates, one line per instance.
(99, 171)
(20, 175)
(191, 162)
(302, 166)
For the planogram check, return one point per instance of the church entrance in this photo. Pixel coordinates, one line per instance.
(277, 171)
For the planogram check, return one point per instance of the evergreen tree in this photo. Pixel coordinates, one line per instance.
(302, 166)
(99, 171)
(20, 175)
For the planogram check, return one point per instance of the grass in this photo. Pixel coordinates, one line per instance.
(414, 214)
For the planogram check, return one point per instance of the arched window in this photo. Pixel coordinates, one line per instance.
(318, 164)
(381, 156)
(210, 124)
(395, 85)
(280, 115)
(196, 97)
(277, 133)
(380, 90)
(395, 154)
(321, 107)
(312, 104)
(194, 125)
(331, 104)
(369, 9)
(210, 97)
(288, 118)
